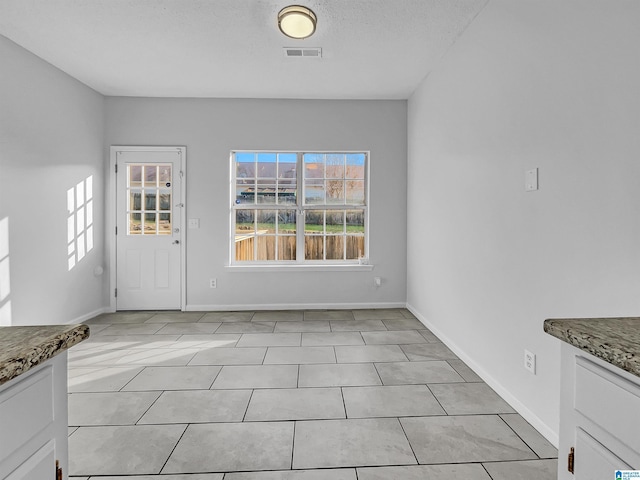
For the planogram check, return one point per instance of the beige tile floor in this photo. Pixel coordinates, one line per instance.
(313, 395)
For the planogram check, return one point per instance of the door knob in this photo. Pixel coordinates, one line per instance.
(176, 242)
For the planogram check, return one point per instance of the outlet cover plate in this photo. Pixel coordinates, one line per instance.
(530, 361)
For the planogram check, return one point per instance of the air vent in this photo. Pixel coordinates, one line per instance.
(303, 52)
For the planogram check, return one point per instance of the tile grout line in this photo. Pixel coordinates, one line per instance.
(173, 449)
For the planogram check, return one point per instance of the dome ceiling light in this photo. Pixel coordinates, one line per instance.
(297, 22)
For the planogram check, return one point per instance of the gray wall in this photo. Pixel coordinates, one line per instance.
(51, 138)
(211, 128)
(544, 84)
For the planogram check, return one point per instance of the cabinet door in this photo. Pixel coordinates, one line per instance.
(593, 461)
(40, 466)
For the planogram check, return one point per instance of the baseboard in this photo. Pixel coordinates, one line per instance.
(87, 316)
(293, 306)
(516, 404)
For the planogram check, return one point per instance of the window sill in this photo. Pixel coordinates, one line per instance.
(298, 268)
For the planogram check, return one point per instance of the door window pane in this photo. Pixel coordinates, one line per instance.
(165, 175)
(135, 175)
(150, 200)
(150, 176)
(164, 224)
(165, 201)
(149, 223)
(135, 225)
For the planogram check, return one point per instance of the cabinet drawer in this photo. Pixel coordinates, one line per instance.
(609, 400)
(26, 409)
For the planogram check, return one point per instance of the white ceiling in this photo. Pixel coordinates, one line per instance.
(372, 49)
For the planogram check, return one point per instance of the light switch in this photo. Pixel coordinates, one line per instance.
(531, 180)
(194, 223)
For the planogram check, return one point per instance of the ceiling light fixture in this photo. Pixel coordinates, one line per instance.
(297, 22)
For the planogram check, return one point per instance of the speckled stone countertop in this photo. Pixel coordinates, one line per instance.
(614, 340)
(22, 348)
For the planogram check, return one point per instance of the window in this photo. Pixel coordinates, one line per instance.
(299, 208)
(149, 193)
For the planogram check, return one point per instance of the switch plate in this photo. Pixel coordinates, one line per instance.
(377, 281)
(194, 223)
(530, 361)
(531, 180)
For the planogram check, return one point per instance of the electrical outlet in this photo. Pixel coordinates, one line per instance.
(530, 361)
(213, 283)
(377, 281)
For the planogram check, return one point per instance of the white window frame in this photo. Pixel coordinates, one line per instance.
(301, 208)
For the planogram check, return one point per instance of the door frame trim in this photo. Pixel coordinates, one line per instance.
(110, 217)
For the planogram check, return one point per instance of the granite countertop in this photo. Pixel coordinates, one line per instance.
(614, 340)
(22, 348)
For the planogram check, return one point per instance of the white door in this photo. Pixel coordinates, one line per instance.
(149, 220)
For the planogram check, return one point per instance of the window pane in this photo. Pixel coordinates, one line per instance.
(165, 175)
(355, 192)
(287, 194)
(135, 201)
(266, 165)
(245, 166)
(355, 221)
(165, 201)
(266, 221)
(164, 224)
(314, 192)
(150, 200)
(287, 168)
(150, 176)
(355, 165)
(150, 223)
(335, 191)
(245, 222)
(287, 247)
(335, 222)
(335, 247)
(286, 222)
(355, 246)
(245, 193)
(314, 247)
(135, 175)
(314, 222)
(335, 165)
(266, 247)
(244, 245)
(135, 226)
(313, 165)
(266, 192)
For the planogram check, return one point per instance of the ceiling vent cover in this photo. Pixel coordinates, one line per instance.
(295, 52)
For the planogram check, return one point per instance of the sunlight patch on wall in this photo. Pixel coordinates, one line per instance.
(5, 287)
(80, 221)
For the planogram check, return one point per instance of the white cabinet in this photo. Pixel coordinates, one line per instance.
(33, 423)
(599, 417)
